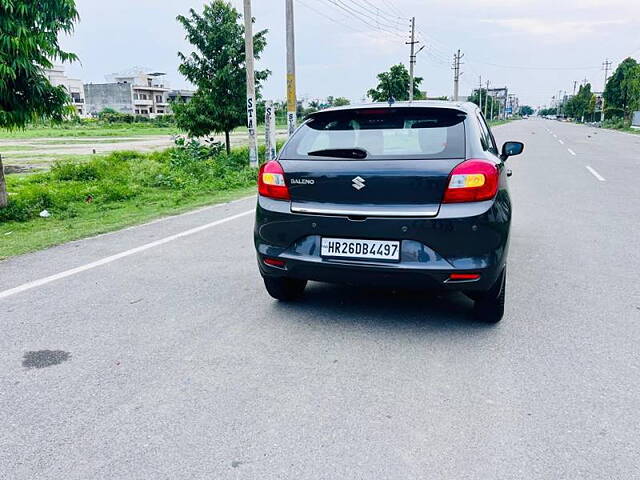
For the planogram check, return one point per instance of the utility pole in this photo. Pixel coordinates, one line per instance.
(486, 98)
(412, 56)
(560, 102)
(456, 74)
(292, 103)
(491, 113)
(606, 65)
(251, 85)
(575, 84)
(480, 93)
(506, 96)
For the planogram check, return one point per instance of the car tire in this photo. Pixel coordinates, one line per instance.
(489, 306)
(284, 289)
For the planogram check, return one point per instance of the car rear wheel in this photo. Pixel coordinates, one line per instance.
(284, 289)
(489, 306)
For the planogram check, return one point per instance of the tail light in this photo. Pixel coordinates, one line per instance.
(472, 181)
(271, 181)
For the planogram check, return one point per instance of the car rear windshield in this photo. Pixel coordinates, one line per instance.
(383, 133)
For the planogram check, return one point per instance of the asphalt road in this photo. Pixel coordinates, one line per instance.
(170, 360)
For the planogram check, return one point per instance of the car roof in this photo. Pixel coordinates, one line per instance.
(466, 107)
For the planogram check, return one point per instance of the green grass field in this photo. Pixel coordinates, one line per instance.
(84, 131)
(17, 238)
(70, 130)
(106, 192)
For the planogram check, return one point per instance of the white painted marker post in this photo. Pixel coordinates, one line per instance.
(270, 131)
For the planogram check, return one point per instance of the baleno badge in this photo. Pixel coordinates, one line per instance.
(302, 181)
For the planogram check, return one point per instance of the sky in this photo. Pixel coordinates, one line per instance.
(534, 47)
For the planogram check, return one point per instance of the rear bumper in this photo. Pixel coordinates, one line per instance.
(470, 238)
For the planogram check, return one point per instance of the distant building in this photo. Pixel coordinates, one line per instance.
(138, 94)
(74, 86)
(180, 95)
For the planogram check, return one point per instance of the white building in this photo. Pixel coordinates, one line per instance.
(136, 94)
(74, 86)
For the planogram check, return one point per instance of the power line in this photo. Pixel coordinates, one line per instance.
(335, 20)
(367, 18)
(390, 16)
(390, 5)
(365, 12)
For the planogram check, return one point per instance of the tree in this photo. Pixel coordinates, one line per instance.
(337, 101)
(395, 84)
(581, 104)
(218, 69)
(341, 101)
(623, 88)
(28, 45)
(488, 101)
(548, 111)
(525, 110)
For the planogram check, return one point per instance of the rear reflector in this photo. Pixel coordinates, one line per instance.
(271, 181)
(274, 263)
(472, 181)
(464, 276)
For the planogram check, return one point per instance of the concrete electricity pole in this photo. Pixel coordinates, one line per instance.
(456, 74)
(251, 86)
(491, 112)
(606, 65)
(486, 100)
(575, 84)
(412, 56)
(480, 93)
(292, 103)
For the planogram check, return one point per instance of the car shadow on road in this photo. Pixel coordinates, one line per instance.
(385, 308)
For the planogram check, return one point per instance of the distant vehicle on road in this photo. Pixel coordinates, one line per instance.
(403, 195)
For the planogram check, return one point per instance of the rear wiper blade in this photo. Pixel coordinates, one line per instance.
(358, 153)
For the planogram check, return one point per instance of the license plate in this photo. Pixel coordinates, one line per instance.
(364, 249)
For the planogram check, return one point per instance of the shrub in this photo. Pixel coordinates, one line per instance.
(68, 171)
(70, 188)
(616, 122)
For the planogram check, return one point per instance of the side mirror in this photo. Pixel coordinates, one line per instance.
(510, 149)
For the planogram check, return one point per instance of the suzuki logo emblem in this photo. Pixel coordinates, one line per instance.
(358, 183)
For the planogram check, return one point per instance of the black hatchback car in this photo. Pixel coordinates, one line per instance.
(397, 195)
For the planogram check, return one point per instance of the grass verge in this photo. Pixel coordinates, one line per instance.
(84, 131)
(116, 191)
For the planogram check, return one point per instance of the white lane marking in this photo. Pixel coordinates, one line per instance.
(596, 174)
(170, 217)
(103, 261)
(571, 151)
(561, 142)
(554, 135)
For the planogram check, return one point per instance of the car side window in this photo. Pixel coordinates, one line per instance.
(486, 138)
